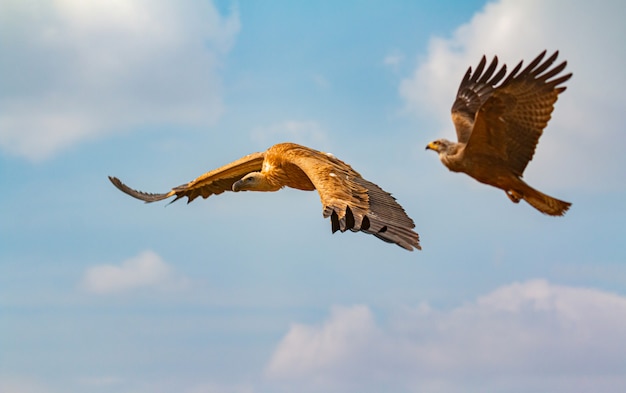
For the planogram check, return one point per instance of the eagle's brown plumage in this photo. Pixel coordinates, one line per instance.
(348, 199)
(498, 124)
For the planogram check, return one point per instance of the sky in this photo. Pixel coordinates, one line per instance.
(250, 292)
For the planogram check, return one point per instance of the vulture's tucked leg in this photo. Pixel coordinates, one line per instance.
(514, 196)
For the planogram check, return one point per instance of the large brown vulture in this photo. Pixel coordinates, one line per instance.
(348, 199)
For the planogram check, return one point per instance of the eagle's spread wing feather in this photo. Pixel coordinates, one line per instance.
(511, 117)
(211, 183)
(474, 90)
(353, 202)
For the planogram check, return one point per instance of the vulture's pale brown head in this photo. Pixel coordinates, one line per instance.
(254, 181)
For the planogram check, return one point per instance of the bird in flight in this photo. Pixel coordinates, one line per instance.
(350, 201)
(498, 125)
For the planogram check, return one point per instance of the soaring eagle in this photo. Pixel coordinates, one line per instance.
(348, 199)
(498, 126)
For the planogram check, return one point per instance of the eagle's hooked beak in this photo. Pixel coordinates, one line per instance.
(431, 146)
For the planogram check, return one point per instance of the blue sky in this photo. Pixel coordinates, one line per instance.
(250, 292)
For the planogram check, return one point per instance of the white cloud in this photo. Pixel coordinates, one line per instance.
(146, 270)
(73, 70)
(580, 140)
(320, 349)
(531, 336)
(393, 60)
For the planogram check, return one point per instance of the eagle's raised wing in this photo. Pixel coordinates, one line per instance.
(511, 119)
(474, 90)
(211, 183)
(352, 202)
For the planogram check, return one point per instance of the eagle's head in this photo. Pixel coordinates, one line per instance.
(441, 146)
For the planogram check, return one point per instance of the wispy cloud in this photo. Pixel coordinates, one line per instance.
(321, 81)
(585, 113)
(74, 70)
(146, 270)
(531, 335)
(393, 59)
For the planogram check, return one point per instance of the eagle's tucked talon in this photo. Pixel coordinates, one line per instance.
(514, 196)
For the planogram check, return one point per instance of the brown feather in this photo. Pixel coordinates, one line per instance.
(510, 121)
(351, 202)
(219, 180)
(473, 91)
(498, 125)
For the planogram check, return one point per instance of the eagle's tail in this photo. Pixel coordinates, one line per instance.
(544, 203)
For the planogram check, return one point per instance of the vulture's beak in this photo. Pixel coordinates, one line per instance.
(236, 186)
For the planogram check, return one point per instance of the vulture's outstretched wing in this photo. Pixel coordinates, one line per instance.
(211, 183)
(511, 117)
(352, 202)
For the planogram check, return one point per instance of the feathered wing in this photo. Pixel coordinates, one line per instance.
(512, 118)
(211, 183)
(354, 203)
(475, 88)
